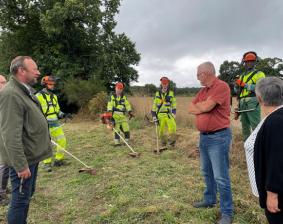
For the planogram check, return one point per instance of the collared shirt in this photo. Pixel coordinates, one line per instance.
(219, 116)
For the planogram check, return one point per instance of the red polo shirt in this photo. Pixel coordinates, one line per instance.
(219, 116)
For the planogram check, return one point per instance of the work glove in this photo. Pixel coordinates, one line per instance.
(240, 83)
(131, 115)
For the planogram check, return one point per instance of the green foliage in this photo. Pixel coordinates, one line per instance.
(81, 91)
(229, 71)
(69, 39)
(150, 89)
(98, 103)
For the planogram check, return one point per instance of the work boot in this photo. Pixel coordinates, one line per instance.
(58, 163)
(172, 144)
(117, 142)
(47, 167)
(202, 204)
(225, 219)
(4, 200)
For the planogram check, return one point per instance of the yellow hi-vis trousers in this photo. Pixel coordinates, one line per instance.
(58, 136)
(168, 120)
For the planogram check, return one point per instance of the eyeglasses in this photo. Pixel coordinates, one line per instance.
(200, 74)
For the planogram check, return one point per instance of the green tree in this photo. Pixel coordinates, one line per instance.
(229, 71)
(69, 38)
(150, 89)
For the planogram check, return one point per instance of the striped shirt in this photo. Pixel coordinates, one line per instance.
(249, 150)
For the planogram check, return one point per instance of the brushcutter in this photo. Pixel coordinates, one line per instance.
(86, 169)
(155, 121)
(158, 149)
(107, 119)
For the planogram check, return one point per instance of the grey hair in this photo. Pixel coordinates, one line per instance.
(270, 90)
(18, 62)
(207, 67)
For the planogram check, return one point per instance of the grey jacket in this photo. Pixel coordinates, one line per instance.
(25, 138)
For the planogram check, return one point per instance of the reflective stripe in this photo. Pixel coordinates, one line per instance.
(58, 137)
(119, 112)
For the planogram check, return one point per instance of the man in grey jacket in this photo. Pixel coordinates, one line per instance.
(25, 139)
(4, 170)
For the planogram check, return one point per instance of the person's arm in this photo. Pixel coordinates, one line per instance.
(272, 202)
(154, 107)
(174, 106)
(12, 122)
(193, 109)
(273, 159)
(128, 105)
(110, 105)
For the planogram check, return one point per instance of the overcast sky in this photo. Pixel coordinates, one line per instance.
(173, 37)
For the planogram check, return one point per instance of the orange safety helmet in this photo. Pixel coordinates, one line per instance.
(119, 85)
(48, 81)
(250, 56)
(164, 80)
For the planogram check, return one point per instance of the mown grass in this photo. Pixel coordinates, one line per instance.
(151, 189)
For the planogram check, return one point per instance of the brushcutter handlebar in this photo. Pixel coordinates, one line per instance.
(131, 115)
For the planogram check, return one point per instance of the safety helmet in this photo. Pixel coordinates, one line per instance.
(164, 80)
(119, 85)
(249, 56)
(48, 81)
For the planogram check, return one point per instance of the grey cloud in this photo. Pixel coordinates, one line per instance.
(166, 31)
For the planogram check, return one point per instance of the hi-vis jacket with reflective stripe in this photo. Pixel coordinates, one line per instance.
(119, 105)
(50, 106)
(164, 103)
(249, 90)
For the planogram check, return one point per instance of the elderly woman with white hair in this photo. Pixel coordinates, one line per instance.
(266, 146)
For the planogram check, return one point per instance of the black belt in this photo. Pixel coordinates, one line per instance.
(213, 132)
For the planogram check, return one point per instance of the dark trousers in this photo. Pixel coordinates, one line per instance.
(21, 195)
(274, 218)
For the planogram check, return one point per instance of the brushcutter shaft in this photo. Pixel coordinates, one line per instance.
(53, 142)
(124, 140)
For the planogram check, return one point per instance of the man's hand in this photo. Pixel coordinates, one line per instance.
(25, 174)
(272, 202)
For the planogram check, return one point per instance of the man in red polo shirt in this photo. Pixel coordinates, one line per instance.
(212, 109)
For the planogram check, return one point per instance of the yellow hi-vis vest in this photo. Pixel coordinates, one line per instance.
(256, 75)
(118, 104)
(164, 102)
(50, 106)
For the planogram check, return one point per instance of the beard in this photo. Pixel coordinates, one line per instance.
(32, 81)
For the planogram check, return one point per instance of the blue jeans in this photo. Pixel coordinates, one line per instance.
(19, 205)
(214, 156)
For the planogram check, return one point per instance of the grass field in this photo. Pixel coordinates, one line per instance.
(151, 189)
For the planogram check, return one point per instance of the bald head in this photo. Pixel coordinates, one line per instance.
(207, 68)
(2, 81)
(206, 73)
